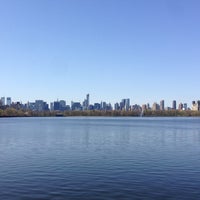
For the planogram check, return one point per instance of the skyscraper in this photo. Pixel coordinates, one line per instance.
(52, 106)
(125, 104)
(185, 106)
(56, 105)
(103, 105)
(144, 107)
(162, 105)
(180, 106)
(155, 106)
(8, 101)
(122, 104)
(88, 100)
(116, 106)
(196, 105)
(39, 105)
(3, 103)
(174, 104)
(62, 105)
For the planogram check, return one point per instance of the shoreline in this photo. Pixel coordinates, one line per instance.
(96, 113)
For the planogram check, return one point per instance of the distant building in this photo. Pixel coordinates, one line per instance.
(136, 108)
(40, 105)
(97, 106)
(3, 101)
(185, 106)
(17, 105)
(8, 101)
(155, 107)
(51, 106)
(144, 107)
(196, 105)
(103, 105)
(125, 104)
(76, 106)
(90, 107)
(62, 105)
(174, 104)
(30, 106)
(122, 104)
(86, 102)
(180, 106)
(108, 106)
(116, 106)
(68, 107)
(56, 105)
(46, 106)
(168, 108)
(162, 105)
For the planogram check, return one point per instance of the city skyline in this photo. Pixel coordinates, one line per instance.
(143, 50)
(85, 104)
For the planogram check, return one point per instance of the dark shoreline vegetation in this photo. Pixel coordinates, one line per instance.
(11, 112)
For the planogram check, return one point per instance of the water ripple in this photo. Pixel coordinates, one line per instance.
(99, 158)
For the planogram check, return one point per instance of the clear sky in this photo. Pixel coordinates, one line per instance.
(145, 50)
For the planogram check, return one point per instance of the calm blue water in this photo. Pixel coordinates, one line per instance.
(99, 158)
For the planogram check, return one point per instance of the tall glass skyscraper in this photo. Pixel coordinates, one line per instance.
(162, 105)
(87, 101)
(174, 104)
(8, 101)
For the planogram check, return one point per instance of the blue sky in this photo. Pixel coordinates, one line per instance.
(138, 49)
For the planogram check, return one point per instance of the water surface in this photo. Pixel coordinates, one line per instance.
(99, 158)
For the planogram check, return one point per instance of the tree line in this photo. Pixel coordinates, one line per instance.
(12, 112)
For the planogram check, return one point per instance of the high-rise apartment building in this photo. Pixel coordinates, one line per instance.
(56, 105)
(196, 105)
(125, 104)
(8, 101)
(76, 106)
(3, 101)
(144, 107)
(87, 100)
(185, 106)
(103, 105)
(116, 106)
(155, 107)
(174, 104)
(40, 105)
(162, 105)
(97, 106)
(180, 106)
(52, 106)
(62, 105)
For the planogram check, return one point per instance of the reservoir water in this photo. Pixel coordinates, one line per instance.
(99, 158)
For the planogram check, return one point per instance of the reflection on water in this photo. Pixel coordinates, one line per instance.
(99, 158)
